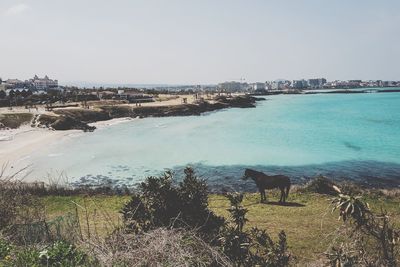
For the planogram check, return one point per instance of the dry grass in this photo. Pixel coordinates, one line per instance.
(308, 221)
(18, 208)
(160, 247)
(97, 215)
(309, 224)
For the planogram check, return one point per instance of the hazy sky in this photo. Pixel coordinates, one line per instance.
(199, 41)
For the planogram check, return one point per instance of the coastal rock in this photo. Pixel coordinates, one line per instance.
(84, 115)
(67, 123)
(62, 123)
(78, 118)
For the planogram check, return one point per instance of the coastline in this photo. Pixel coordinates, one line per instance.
(65, 119)
(18, 145)
(377, 172)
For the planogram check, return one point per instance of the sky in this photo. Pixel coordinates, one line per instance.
(199, 41)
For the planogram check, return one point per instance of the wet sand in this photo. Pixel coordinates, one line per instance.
(17, 146)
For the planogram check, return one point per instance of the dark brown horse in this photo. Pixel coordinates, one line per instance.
(264, 181)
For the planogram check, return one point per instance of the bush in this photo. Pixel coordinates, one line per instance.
(25, 257)
(254, 248)
(373, 239)
(59, 253)
(62, 254)
(5, 249)
(160, 203)
(17, 206)
(321, 185)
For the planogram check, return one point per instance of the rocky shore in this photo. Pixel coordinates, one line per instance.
(68, 119)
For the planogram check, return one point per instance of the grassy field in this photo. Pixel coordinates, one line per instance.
(307, 219)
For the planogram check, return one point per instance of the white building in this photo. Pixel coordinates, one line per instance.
(316, 83)
(280, 84)
(258, 86)
(299, 84)
(43, 83)
(15, 83)
(232, 86)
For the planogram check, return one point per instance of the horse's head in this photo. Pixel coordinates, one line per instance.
(246, 174)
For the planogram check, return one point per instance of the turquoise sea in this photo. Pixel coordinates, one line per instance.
(353, 136)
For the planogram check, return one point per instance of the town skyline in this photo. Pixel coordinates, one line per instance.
(37, 84)
(199, 42)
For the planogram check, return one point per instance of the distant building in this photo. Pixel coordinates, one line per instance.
(258, 86)
(280, 84)
(299, 84)
(15, 83)
(389, 83)
(232, 86)
(43, 83)
(354, 83)
(316, 83)
(2, 85)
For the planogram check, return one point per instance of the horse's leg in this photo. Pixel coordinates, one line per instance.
(265, 196)
(282, 195)
(262, 195)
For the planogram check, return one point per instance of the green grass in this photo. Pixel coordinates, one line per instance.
(308, 221)
(15, 120)
(101, 211)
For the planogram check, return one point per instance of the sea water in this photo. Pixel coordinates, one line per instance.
(354, 136)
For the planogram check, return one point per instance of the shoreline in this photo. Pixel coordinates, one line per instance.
(81, 119)
(20, 144)
(297, 172)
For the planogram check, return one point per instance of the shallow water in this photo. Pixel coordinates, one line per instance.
(340, 135)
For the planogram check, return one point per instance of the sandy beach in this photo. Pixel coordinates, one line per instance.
(17, 146)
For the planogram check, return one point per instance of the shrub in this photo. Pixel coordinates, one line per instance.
(5, 249)
(321, 185)
(374, 237)
(59, 253)
(62, 253)
(17, 206)
(254, 248)
(160, 203)
(26, 257)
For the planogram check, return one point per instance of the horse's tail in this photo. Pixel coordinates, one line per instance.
(287, 189)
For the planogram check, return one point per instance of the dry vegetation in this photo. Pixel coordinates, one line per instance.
(15, 120)
(308, 220)
(94, 224)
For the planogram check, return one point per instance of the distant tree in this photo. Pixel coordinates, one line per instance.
(3, 95)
